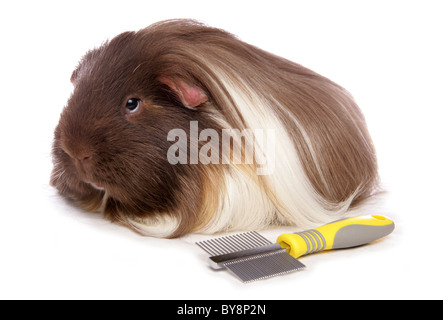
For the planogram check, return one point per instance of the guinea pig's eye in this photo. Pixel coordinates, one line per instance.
(132, 105)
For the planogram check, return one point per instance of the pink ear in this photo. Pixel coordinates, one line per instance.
(190, 96)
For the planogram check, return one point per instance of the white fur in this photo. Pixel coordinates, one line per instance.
(297, 202)
(244, 205)
(161, 226)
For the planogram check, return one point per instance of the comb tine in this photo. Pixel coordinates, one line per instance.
(228, 245)
(238, 242)
(260, 239)
(206, 247)
(211, 246)
(265, 266)
(233, 243)
(247, 241)
(218, 246)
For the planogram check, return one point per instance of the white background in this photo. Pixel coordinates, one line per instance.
(388, 54)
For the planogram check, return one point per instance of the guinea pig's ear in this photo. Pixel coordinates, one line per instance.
(86, 62)
(74, 76)
(190, 95)
(76, 73)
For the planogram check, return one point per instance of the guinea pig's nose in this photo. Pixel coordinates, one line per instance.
(81, 154)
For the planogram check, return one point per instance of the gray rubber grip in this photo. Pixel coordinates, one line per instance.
(357, 235)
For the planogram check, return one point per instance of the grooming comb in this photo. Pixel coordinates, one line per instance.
(250, 256)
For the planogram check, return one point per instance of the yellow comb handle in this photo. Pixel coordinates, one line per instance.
(344, 233)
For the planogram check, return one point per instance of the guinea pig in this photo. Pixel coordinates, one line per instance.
(182, 128)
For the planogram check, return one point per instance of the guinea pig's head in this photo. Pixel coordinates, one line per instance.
(110, 146)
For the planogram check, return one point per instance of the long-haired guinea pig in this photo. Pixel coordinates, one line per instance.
(181, 128)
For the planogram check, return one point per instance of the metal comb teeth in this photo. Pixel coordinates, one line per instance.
(249, 256)
(264, 266)
(233, 243)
